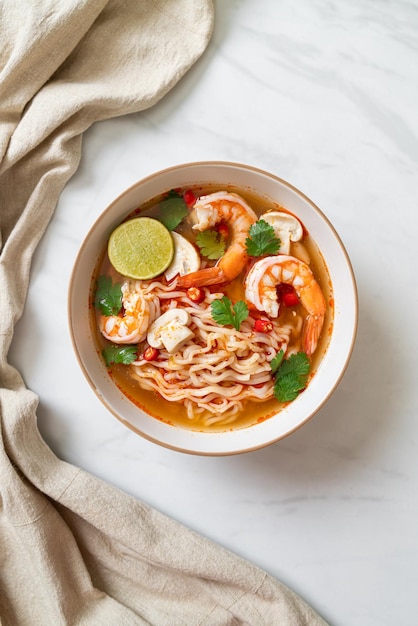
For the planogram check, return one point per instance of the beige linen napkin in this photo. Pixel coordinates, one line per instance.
(74, 550)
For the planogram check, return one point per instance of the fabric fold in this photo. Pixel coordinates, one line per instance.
(74, 550)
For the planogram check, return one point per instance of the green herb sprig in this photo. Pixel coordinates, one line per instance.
(108, 296)
(262, 239)
(225, 314)
(172, 211)
(120, 354)
(290, 375)
(211, 243)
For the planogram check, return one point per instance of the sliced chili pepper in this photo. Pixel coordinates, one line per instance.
(223, 230)
(263, 326)
(287, 295)
(196, 294)
(150, 354)
(189, 197)
(290, 299)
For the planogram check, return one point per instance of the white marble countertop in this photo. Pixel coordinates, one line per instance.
(324, 95)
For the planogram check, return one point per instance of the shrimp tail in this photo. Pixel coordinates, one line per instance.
(207, 276)
(311, 333)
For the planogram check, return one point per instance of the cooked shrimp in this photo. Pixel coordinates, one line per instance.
(138, 312)
(210, 210)
(260, 290)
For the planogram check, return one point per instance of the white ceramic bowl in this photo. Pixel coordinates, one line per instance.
(332, 366)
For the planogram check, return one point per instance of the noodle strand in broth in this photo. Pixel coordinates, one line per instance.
(213, 374)
(221, 373)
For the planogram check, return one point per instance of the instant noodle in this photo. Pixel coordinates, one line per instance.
(233, 329)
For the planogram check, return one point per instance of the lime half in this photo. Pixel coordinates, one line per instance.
(141, 248)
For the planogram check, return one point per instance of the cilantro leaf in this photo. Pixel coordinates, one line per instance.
(262, 239)
(120, 354)
(174, 193)
(287, 388)
(211, 244)
(108, 297)
(291, 377)
(240, 310)
(276, 361)
(224, 313)
(172, 211)
(298, 363)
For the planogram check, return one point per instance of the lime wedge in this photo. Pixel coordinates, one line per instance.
(141, 248)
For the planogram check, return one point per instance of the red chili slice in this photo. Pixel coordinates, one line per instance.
(150, 354)
(196, 294)
(263, 326)
(291, 299)
(287, 295)
(189, 197)
(223, 230)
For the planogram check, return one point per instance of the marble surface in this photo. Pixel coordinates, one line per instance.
(323, 94)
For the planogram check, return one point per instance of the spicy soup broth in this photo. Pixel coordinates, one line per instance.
(174, 413)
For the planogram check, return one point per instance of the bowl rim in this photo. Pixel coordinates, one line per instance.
(348, 264)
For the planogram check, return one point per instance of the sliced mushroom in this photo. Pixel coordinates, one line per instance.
(170, 330)
(286, 227)
(186, 258)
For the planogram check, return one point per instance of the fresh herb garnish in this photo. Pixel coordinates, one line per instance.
(211, 244)
(172, 211)
(120, 354)
(276, 361)
(224, 313)
(291, 375)
(173, 193)
(262, 239)
(108, 297)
